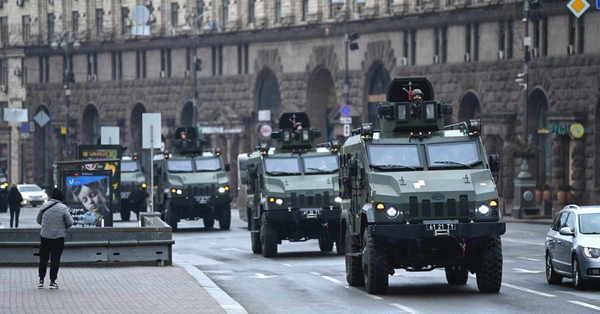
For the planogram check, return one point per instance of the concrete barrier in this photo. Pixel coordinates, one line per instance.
(149, 244)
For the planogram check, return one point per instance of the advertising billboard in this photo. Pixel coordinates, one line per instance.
(88, 197)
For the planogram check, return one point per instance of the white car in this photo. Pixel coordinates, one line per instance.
(32, 195)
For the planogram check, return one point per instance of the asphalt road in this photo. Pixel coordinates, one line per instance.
(303, 280)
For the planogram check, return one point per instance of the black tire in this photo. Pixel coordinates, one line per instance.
(255, 238)
(325, 243)
(354, 272)
(340, 244)
(373, 266)
(225, 221)
(578, 282)
(489, 274)
(125, 214)
(268, 239)
(552, 277)
(249, 218)
(172, 218)
(457, 275)
(209, 222)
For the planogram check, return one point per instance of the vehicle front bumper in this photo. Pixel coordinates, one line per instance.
(590, 267)
(299, 215)
(398, 232)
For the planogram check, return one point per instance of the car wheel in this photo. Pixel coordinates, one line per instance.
(373, 266)
(578, 281)
(489, 274)
(209, 222)
(457, 275)
(268, 239)
(354, 272)
(125, 214)
(225, 221)
(551, 276)
(325, 243)
(172, 218)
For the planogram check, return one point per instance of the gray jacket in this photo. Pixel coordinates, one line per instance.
(55, 220)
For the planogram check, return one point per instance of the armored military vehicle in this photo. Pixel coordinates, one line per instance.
(292, 189)
(417, 195)
(193, 183)
(134, 187)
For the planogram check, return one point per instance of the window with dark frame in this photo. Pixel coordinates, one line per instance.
(124, 20)
(4, 30)
(304, 13)
(200, 11)
(140, 64)
(413, 47)
(536, 34)
(251, 11)
(220, 60)
(572, 30)
(510, 39)
(68, 69)
(246, 58)
(581, 35)
(436, 44)
(502, 37)
(475, 42)
(51, 24)
(117, 65)
(444, 57)
(214, 60)
(75, 21)
(92, 64)
(544, 34)
(240, 58)
(3, 72)
(165, 62)
(99, 21)
(26, 25)
(468, 42)
(44, 65)
(278, 11)
(405, 43)
(225, 13)
(174, 14)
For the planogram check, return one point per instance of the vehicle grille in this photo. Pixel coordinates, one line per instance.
(310, 201)
(202, 190)
(427, 209)
(127, 187)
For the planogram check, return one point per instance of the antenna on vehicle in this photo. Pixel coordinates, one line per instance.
(141, 17)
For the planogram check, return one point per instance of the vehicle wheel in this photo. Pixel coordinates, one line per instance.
(457, 275)
(578, 282)
(249, 218)
(551, 276)
(354, 272)
(373, 266)
(171, 218)
(255, 238)
(340, 244)
(489, 275)
(268, 239)
(125, 214)
(225, 221)
(209, 222)
(325, 244)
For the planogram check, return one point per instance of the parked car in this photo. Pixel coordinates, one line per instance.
(32, 195)
(573, 246)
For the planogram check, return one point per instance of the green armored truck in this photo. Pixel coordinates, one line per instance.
(134, 187)
(417, 195)
(292, 189)
(192, 183)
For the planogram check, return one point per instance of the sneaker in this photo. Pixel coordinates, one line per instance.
(40, 284)
(53, 285)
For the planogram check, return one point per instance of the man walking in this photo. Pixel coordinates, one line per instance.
(14, 202)
(55, 219)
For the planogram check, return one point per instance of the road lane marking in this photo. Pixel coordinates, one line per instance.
(589, 306)
(530, 259)
(526, 271)
(547, 295)
(374, 297)
(315, 273)
(404, 308)
(263, 276)
(523, 242)
(233, 249)
(286, 264)
(332, 280)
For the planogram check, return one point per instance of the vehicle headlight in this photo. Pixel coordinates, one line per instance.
(483, 210)
(591, 252)
(144, 185)
(221, 189)
(392, 212)
(337, 199)
(279, 201)
(176, 191)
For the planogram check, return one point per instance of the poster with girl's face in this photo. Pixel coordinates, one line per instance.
(89, 198)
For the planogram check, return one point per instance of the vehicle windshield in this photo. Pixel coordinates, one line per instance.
(394, 157)
(129, 166)
(208, 164)
(180, 165)
(589, 223)
(29, 188)
(321, 164)
(453, 155)
(282, 166)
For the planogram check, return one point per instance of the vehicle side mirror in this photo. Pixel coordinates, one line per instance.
(227, 167)
(353, 169)
(566, 231)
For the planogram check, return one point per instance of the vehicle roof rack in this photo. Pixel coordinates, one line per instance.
(576, 207)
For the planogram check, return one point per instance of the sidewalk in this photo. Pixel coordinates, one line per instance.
(105, 290)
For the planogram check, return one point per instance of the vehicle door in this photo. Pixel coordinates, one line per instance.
(565, 243)
(552, 236)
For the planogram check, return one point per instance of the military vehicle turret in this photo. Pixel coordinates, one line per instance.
(418, 195)
(292, 189)
(193, 183)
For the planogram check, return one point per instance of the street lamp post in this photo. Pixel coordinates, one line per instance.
(68, 42)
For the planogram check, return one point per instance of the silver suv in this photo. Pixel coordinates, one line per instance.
(573, 246)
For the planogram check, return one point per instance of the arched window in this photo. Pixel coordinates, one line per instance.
(91, 125)
(322, 101)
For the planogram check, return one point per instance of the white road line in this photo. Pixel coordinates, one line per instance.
(527, 271)
(530, 259)
(374, 297)
(233, 249)
(589, 306)
(315, 273)
(547, 295)
(332, 280)
(523, 242)
(286, 264)
(404, 308)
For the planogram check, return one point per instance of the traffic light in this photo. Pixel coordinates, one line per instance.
(352, 38)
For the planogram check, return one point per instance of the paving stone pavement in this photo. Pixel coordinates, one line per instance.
(105, 290)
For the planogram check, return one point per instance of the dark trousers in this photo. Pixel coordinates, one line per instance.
(52, 248)
(14, 216)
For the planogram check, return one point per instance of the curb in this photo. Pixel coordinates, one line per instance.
(529, 221)
(228, 304)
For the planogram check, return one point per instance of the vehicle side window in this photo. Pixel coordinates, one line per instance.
(571, 221)
(563, 219)
(556, 222)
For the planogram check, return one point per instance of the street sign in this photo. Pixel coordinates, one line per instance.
(266, 130)
(264, 115)
(346, 120)
(346, 130)
(577, 130)
(346, 110)
(109, 135)
(41, 118)
(151, 130)
(15, 115)
(24, 127)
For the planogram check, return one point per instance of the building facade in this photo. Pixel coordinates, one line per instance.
(287, 55)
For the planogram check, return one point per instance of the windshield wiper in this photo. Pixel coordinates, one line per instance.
(388, 167)
(280, 173)
(451, 162)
